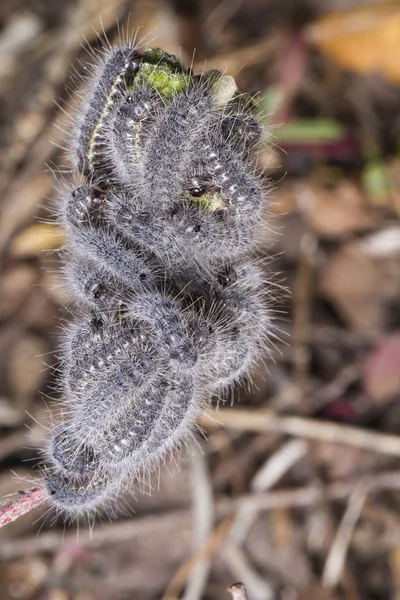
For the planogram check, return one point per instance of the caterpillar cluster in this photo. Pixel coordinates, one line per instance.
(160, 221)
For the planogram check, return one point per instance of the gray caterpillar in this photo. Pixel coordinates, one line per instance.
(160, 219)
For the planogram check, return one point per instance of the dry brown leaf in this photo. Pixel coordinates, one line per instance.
(353, 283)
(36, 238)
(366, 40)
(339, 212)
(26, 577)
(340, 462)
(9, 416)
(15, 285)
(27, 369)
(315, 592)
(382, 370)
(394, 558)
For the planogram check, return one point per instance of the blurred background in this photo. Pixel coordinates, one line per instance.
(297, 490)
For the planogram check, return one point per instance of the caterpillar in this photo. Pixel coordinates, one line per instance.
(162, 213)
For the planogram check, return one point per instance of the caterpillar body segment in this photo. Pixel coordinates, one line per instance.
(212, 222)
(93, 238)
(93, 283)
(114, 76)
(131, 123)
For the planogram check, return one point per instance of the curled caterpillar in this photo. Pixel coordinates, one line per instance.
(161, 217)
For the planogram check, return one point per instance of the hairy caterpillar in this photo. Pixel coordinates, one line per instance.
(161, 216)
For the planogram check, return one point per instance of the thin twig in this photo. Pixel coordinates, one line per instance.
(240, 565)
(278, 464)
(273, 469)
(315, 429)
(208, 550)
(25, 502)
(238, 591)
(302, 306)
(173, 520)
(203, 509)
(337, 553)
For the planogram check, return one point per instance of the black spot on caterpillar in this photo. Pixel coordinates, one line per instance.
(161, 217)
